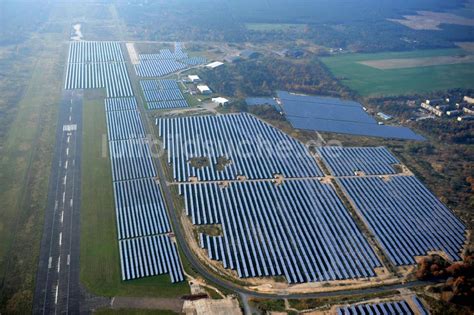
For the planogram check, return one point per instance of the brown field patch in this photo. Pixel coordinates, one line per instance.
(388, 64)
(428, 20)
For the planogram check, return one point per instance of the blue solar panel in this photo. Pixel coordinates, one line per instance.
(339, 116)
(382, 308)
(252, 101)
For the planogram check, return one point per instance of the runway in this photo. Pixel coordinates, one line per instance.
(57, 283)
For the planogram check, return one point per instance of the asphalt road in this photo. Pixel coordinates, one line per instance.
(57, 282)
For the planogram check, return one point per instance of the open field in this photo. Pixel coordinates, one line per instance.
(100, 263)
(428, 20)
(25, 159)
(369, 81)
(268, 27)
(388, 64)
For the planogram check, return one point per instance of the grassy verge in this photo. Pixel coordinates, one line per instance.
(25, 162)
(100, 268)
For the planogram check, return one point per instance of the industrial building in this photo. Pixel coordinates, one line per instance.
(220, 101)
(204, 89)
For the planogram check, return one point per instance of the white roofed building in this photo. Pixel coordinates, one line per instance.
(214, 64)
(194, 78)
(220, 101)
(204, 89)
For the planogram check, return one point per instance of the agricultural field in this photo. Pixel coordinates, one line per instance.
(417, 76)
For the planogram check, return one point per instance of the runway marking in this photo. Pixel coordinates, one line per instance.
(56, 205)
(60, 238)
(50, 262)
(65, 165)
(69, 117)
(70, 107)
(73, 162)
(59, 263)
(57, 291)
(62, 216)
(68, 138)
(70, 202)
(67, 151)
(64, 197)
(65, 179)
(68, 259)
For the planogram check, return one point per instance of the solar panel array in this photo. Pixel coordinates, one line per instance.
(405, 217)
(299, 229)
(140, 210)
(150, 256)
(163, 94)
(93, 65)
(345, 161)
(383, 308)
(253, 149)
(165, 62)
(336, 115)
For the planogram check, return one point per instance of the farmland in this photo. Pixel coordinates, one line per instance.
(369, 81)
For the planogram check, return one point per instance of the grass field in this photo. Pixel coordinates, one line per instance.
(369, 81)
(25, 161)
(100, 268)
(269, 27)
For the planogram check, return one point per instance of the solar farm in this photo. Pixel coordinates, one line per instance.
(336, 115)
(402, 307)
(165, 62)
(253, 149)
(162, 94)
(143, 225)
(279, 215)
(279, 209)
(93, 65)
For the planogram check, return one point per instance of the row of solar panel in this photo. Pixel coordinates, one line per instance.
(384, 308)
(124, 125)
(232, 145)
(163, 84)
(150, 256)
(140, 208)
(163, 95)
(194, 61)
(405, 217)
(91, 51)
(167, 104)
(112, 76)
(139, 204)
(127, 103)
(299, 229)
(158, 68)
(346, 161)
(164, 54)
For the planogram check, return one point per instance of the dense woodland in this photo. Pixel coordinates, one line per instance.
(357, 26)
(263, 76)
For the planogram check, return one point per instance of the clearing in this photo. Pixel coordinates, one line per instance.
(428, 20)
(373, 81)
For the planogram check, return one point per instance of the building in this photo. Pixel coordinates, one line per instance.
(204, 89)
(468, 111)
(384, 116)
(220, 101)
(468, 99)
(214, 64)
(232, 59)
(194, 78)
(432, 109)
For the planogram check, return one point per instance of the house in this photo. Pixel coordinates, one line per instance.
(468, 99)
(220, 101)
(194, 78)
(384, 116)
(204, 89)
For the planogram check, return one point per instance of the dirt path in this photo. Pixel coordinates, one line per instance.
(171, 304)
